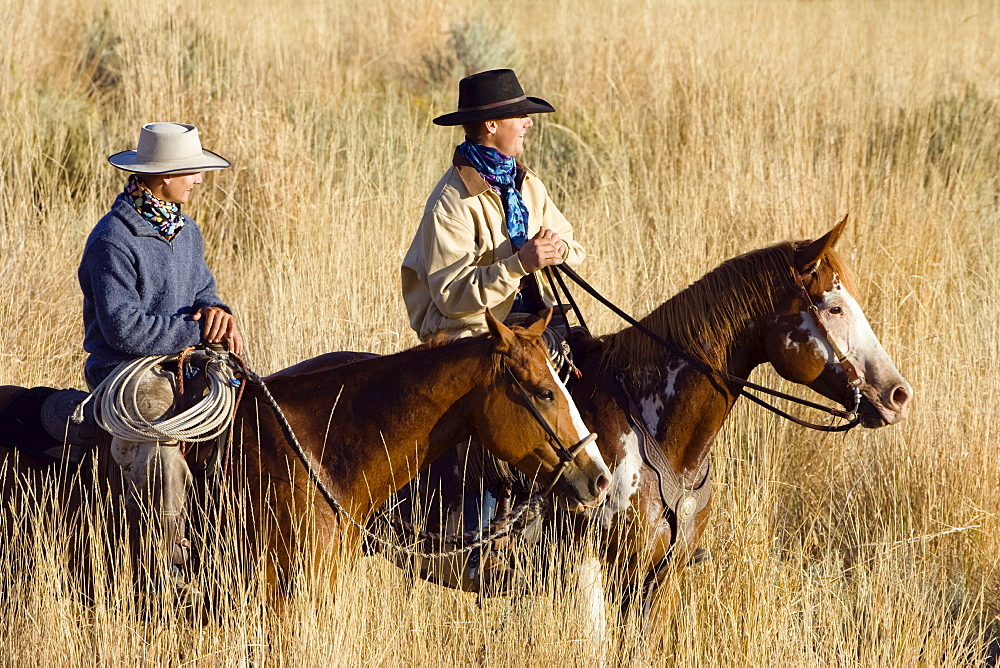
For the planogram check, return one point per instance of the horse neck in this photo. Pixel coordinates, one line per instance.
(719, 320)
(429, 412)
(446, 386)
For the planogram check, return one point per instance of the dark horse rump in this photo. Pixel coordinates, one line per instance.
(37, 423)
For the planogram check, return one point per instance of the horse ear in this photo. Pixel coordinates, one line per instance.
(503, 335)
(536, 328)
(810, 256)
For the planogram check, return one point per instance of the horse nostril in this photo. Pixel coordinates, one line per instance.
(900, 396)
(602, 483)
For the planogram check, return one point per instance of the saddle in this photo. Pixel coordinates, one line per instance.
(41, 423)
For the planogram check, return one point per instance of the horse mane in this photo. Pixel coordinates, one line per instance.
(436, 340)
(448, 340)
(444, 338)
(705, 318)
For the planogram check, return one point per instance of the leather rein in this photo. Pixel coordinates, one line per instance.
(852, 416)
(682, 502)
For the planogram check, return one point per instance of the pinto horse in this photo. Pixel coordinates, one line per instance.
(368, 427)
(657, 412)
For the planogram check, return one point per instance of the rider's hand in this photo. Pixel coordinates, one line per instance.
(542, 250)
(218, 325)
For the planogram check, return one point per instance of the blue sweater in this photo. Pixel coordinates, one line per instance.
(140, 290)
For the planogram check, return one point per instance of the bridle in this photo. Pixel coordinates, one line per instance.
(850, 371)
(852, 415)
(566, 455)
(685, 503)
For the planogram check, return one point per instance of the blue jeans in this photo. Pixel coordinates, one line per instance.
(477, 512)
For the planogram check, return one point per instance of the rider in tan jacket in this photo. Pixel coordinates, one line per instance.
(462, 260)
(488, 229)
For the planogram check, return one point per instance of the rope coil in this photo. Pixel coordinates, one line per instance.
(116, 409)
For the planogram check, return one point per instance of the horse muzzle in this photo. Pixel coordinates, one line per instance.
(582, 480)
(885, 406)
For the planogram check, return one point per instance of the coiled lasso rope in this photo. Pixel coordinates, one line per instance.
(116, 410)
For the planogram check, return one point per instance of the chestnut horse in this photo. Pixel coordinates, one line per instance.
(365, 429)
(368, 427)
(657, 413)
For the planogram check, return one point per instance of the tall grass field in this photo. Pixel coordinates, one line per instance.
(686, 132)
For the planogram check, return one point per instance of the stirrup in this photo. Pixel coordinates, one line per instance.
(699, 556)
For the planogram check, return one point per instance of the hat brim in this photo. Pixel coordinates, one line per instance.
(206, 162)
(529, 105)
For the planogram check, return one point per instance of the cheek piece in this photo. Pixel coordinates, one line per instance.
(566, 455)
(845, 364)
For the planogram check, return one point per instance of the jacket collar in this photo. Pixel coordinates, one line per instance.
(476, 184)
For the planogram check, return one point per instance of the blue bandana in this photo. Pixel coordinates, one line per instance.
(498, 170)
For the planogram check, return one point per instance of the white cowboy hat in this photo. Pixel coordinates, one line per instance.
(168, 148)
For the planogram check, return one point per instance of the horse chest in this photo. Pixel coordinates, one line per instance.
(626, 477)
(667, 414)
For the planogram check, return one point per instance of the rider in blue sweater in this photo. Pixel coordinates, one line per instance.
(147, 291)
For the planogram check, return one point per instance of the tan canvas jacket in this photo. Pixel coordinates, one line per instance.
(461, 260)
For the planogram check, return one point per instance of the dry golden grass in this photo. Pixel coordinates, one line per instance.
(687, 132)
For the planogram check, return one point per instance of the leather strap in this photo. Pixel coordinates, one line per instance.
(683, 503)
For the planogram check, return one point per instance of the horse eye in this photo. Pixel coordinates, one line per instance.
(546, 395)
(836, 310)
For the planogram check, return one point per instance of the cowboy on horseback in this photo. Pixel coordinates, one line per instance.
(148, 291)
(488, 230)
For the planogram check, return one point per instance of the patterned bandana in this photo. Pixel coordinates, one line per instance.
(164, 216)
(498, 170)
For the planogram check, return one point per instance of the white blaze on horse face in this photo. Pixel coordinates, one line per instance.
(624, 480)
(581, 429)
(846, 326)
(849, 328)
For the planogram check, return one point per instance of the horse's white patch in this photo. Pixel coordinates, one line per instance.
(815, 340)
(652, 406)
(849, 332)
(850, 329)
(624, 480)
(652, 409)
(591, 580)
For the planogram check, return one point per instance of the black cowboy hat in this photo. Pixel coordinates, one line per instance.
(490, 95)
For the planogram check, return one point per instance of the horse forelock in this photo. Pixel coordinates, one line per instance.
(709, 315)
(529, 348)
(836, 265)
